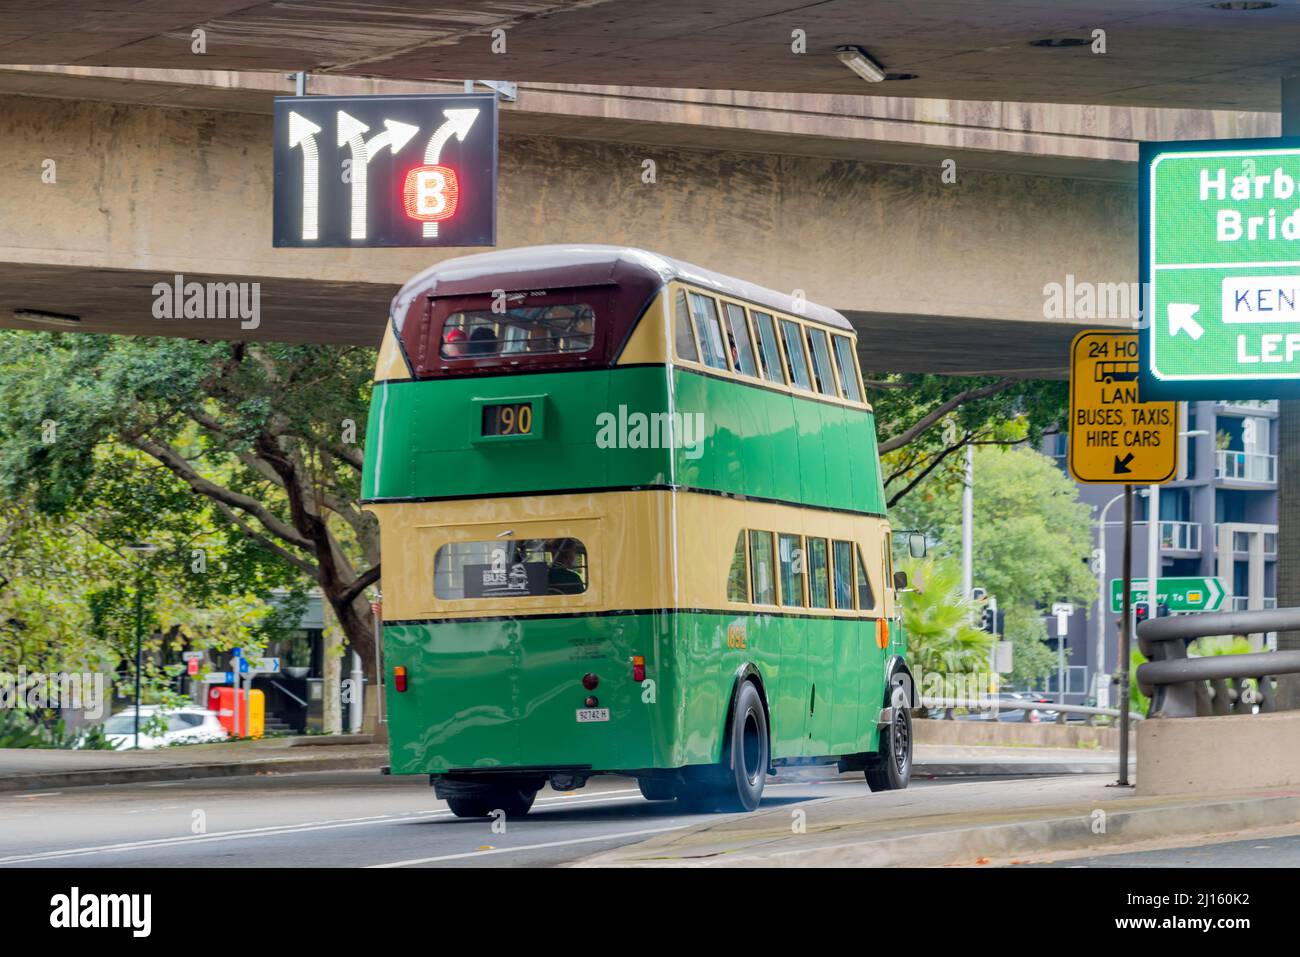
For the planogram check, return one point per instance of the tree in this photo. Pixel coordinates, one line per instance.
(1031, 540)
(263, 434)
(923, 420)
(943, 643)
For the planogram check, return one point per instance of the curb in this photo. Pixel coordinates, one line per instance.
(1018, 839)
(993, 769)
(185, 772)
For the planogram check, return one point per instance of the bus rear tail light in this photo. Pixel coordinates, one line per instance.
(399, 678)
(638, 668)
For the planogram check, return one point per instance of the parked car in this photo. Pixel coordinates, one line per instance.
(1011, 707)
(187, 725)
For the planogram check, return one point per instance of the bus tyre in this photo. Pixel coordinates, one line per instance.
(656, 789)
(736, 783)
(512, 801)
(892, 768)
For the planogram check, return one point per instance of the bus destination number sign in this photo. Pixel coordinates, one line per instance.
(510, 418)
(1114, 438)
(385, 170)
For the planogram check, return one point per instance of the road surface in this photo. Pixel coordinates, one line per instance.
(338, 819)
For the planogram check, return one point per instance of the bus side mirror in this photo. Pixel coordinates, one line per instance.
(900, 580)
(916, 545)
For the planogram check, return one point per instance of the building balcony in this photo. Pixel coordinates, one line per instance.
(1246, 407)
(1241, 539)
(1252, 468)
(1180, 536)
(1242, 603)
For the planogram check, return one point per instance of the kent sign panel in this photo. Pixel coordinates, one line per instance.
(386, 170)
(1114, 438)
(1220, 269)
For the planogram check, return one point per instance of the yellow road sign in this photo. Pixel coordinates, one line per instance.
(1114, 438)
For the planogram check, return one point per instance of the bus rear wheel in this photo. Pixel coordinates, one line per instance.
(736, 783)
(656, 789)
(510, 800)
(892, 769)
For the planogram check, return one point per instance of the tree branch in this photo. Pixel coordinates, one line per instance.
(925, 422)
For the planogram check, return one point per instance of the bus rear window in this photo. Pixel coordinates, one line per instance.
(519, 331)
(510, 568)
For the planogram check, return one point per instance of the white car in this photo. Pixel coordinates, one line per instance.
(189, 725)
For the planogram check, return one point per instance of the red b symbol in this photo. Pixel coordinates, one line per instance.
(431, 193)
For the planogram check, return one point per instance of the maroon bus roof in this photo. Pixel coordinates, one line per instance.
(561, 266)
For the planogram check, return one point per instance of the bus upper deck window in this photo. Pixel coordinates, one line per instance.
(707, 325)
(520, 330)
(848, 370)
(769, 353)
(794, 351)
(742, 347)
(682, 333)
(823, 374)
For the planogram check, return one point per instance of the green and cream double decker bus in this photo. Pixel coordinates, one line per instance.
(632, 522)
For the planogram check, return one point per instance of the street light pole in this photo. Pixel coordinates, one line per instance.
(142, 550)
(139, 645)
(968, 524)
(1101, 584)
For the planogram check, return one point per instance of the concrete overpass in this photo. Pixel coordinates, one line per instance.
(1198, 54)
(163, 172)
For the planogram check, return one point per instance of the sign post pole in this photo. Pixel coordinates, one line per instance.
(1124, 638)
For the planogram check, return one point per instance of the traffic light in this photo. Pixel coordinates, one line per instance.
(1141, 611)
(1162, 610)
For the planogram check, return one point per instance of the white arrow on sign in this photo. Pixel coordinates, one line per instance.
(1180, 319)
(457, 124)
(1212, 586)
(351, 131)
(302, 133)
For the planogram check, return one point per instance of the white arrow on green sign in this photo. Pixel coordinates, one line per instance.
(1179, 594)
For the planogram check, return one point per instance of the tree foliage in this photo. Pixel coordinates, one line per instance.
(1031, 541)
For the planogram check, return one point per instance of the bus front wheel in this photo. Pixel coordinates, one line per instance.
(892, 768)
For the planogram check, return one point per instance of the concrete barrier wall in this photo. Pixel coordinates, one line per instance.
(1198, 755)
(1012, 734)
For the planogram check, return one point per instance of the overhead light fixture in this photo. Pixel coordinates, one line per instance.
(46, 318)
(857, 60)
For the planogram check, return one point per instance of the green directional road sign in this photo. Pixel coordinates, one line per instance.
(1180, 594)
(1220, 269)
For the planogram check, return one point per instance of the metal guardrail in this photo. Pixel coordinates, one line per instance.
(1183, 687)
(1005, 704)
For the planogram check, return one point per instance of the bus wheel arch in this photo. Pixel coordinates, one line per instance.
(735, 782)
(747, 672)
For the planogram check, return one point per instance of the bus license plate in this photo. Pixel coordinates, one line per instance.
(592, 714)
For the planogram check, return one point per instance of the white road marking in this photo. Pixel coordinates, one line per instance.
(279, 829)
(616, 835)
(43, 794)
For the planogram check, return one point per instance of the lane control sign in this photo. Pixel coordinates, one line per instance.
(1114, 438)
(385, 170)
(1220, 269)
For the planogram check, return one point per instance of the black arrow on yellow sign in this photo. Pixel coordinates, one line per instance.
(1121, 464)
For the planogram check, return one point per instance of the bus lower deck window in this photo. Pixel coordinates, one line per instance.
(510, 568)
(792, 569)
(738, 572)
(819, 584)
(842, 553)
(866, 599)
(760, 565)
